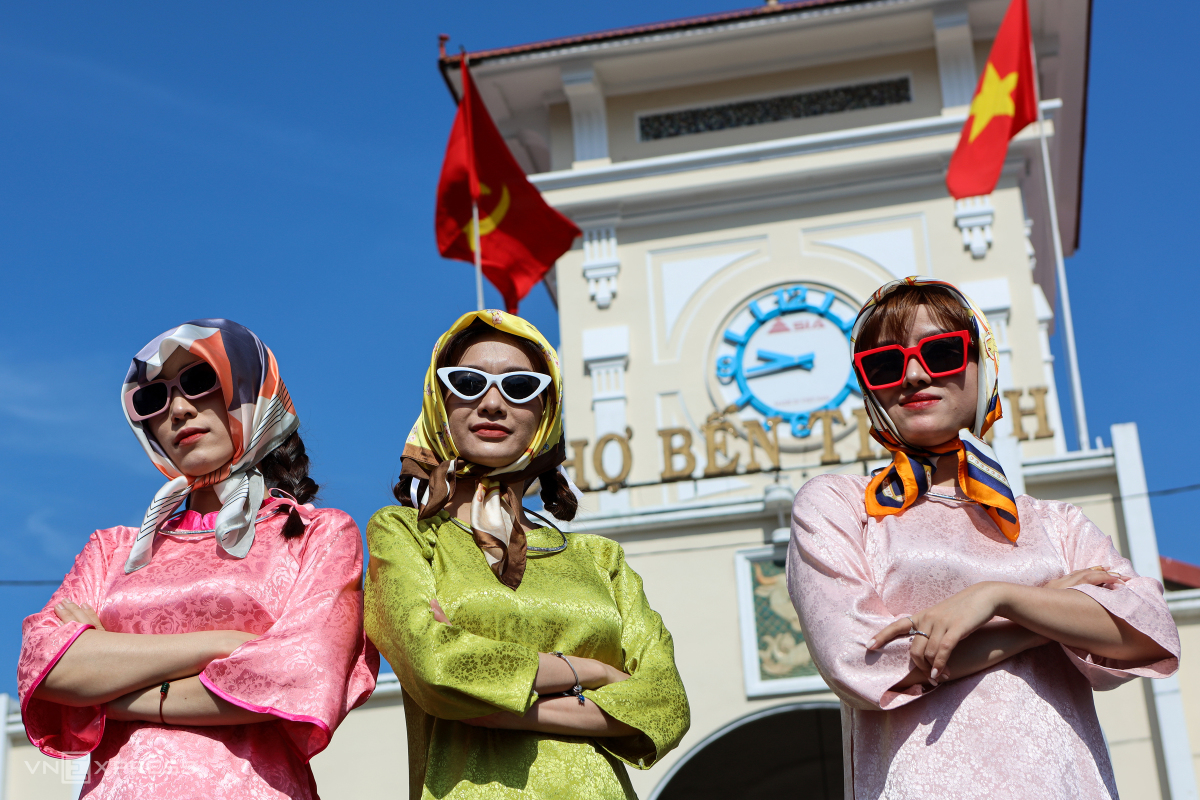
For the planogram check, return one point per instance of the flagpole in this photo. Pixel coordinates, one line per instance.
(478, 257)
(1081, 427)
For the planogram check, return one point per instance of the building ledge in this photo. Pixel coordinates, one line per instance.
(667, 517)
(1076, 465)
(761, 151)
(1185, 605)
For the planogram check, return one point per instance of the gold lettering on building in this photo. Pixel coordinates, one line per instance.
(863, 422)
(756, 436)
(724, 458)
(670, 450)
(827, 417)
(1012, 397)
(716, 442)
(1044, 431)
(575, 462)
(613, 482)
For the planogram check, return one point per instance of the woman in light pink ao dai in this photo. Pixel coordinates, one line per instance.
(209, 653)
(964, 629)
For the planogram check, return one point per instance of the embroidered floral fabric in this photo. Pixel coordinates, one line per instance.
(310, 665)
(1026, 727)
(584, 601)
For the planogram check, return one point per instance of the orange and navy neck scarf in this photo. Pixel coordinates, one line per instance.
(261, 417)
(910, 474)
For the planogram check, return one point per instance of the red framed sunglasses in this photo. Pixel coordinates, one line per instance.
(940, 355)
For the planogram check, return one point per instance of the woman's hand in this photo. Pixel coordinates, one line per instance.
(85, 614)
(943, 626)
(1092, 576)
(438, 614)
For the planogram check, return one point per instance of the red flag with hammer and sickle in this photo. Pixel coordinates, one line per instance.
(1005, 101)
(520, 235)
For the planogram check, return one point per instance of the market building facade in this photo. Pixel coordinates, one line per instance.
(744, 181)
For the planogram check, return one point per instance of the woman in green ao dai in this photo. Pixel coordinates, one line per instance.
(531, 663)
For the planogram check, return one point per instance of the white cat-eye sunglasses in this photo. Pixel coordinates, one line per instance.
(471, 384)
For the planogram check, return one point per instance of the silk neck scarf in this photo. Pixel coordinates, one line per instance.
(910, 474)
(261, 417)
(432, 465)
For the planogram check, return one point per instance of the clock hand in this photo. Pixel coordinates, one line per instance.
(778, 362)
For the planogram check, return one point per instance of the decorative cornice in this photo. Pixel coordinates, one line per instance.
(720, 181)
(761, 151)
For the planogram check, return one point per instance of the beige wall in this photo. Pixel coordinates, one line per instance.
(368, 757)
(1189, 682)
(33, 776)
(1126, 724)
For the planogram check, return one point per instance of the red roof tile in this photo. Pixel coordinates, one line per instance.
(686, 23)
(1180, 572)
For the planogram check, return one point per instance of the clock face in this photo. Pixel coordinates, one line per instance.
(786, 353)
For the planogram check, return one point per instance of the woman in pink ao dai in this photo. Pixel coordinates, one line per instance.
(963, 629)
(208, 654)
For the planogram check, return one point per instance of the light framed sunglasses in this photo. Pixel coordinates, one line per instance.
(151, 399)
(469, 383)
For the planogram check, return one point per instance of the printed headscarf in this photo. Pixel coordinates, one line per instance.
(910, 474)
(261, 417)
(432, 465)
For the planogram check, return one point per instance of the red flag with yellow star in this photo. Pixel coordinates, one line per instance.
(520, 235)
(1005, 101)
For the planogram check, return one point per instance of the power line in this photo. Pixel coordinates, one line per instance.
(1162, 492)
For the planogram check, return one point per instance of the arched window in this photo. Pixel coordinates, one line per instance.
(792, 750)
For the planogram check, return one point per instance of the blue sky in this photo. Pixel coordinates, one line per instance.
(275, 163)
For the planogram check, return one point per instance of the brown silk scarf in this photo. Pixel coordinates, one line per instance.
(441, 480)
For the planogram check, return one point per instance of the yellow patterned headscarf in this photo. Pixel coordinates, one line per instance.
(432, 465)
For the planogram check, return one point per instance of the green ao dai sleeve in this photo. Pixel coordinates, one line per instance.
(652, 700)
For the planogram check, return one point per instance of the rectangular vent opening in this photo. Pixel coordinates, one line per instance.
(774, 109)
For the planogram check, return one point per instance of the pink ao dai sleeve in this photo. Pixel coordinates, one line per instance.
(56, 729)
(314, 664)
(310, 665)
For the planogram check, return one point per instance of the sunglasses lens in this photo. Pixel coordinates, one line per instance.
(944, 355)
(198, 379)
(883, 368)
(466, 383)
(520, 387)
(150, 399)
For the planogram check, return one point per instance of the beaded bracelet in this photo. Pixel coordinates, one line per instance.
(575, 690)
(162, 698)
